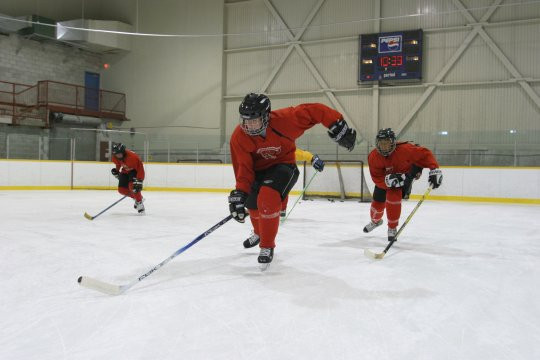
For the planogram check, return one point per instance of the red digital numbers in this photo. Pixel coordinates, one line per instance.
(391, 61)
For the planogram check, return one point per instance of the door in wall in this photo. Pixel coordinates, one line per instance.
(91, 91)
(104, 154)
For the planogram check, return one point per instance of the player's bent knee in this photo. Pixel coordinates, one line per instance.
(394, 195)
(379, 194)
(123, 190)
(269, 199)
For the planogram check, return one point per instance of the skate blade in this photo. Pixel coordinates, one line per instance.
(264, 267)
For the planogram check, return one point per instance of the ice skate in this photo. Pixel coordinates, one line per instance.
(139, 206)
(265, 258)
(251, 241)
(372, 225)
(392, 234)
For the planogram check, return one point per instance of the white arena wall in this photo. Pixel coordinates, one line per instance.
(492, 184)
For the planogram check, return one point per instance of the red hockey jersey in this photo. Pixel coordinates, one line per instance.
(399, 161)
(255, 153)
(131, 161)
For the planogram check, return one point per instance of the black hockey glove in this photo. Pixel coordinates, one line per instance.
(237, 201)
(435, 178)
(115, 172)
(394, 180)
(137, 185)
(341, 133)
(317, 163)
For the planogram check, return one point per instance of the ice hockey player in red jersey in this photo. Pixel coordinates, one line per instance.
(393, 166)
(129, 171)
(263, 157)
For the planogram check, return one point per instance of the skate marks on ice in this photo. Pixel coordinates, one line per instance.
(407, 245)
(317, 290)
(304, 287)
(439, 250)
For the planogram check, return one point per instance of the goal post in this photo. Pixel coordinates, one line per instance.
(341, 180)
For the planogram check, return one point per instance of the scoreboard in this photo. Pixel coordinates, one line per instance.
(390, 56)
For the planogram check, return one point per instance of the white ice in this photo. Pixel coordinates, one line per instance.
(463, 282)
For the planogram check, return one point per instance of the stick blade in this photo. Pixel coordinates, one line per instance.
(100, 286)
(376, 256)
(88, 216)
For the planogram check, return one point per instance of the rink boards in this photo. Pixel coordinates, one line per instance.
(498, 184)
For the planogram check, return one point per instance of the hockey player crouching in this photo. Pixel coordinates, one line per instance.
(263, 157)
(129, 171)
(393, 166)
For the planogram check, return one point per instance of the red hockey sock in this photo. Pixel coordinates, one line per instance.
(376, 211)
(393, 207)
(284, 203)
(269, 204)
(138, 196)
(254, 217)
(125, 191)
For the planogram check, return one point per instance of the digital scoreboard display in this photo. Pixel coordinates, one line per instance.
(390, 56)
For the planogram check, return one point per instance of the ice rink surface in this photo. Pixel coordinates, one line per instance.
(463, 282)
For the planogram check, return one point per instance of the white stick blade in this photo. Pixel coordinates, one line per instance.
(88, 216)
(370, 254)
(100, 286)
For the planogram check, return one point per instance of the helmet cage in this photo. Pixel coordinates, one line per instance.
(385, 134)
(248, 129)
(254, 106)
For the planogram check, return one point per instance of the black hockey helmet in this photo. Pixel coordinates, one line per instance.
(254, 106)
(384, 147)
(119, 148)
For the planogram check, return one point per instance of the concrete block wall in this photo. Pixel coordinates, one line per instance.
(29, 61)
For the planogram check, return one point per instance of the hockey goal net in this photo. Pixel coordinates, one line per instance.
(340, 180)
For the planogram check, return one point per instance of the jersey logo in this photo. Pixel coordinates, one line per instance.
(270, 152)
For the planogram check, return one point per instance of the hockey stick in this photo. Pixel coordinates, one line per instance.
(378, 256)
(301, 195)
(90, 217)
(112, 289)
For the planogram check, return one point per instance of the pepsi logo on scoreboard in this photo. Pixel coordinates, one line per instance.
(390, 44)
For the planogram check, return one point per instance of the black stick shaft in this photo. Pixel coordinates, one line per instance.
(408, 219)
(110, 206)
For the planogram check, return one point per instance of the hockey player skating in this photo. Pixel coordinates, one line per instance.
(129, 171)
(392, 166)
(263, 156)
(314, 160)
